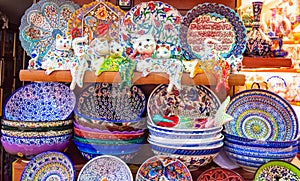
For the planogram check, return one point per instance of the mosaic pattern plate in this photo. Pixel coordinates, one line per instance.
(155, 18)
(44, 101)
(192, 105)
(212, 21)
(41, 23)
(163, 168)
(104, 101)
(49, 165)
(96, 19)
(105, 168)
(277, 170)
(262, 115)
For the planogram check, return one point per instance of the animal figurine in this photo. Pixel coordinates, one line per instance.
(162, 51)
(143, 47)
(192, 66)
(98, 50)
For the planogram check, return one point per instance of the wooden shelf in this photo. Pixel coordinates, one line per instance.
(152, 78)
(259, 62)
(284, 70)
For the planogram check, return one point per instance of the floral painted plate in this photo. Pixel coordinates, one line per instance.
(188, 108)
(50, 165)
(43, 101)
(220, 25)
(106, 102)
(105, 168)
(155, 18)
(163, 168)
(96, 19)
(277, 170)
(41, 23)
(263, 115)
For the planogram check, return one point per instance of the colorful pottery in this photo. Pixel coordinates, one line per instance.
(258, 44)
(41, 102)
(278, 170)
(40, 24)
(50, 165)
(219, 26)
(103, 168)
(36, 125)
(262, 115)
(188, 108)
(216, 174)
(163, 168)
(105, 102)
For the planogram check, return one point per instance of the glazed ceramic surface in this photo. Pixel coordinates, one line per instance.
(262, 115)
(36, 125)
(103, 168)
(188, 108)
(50, 165)
(41, 102)
(41, 23)
(217, 24)
(163, 168)
(278, 170)
(103, 101)
(215, 174)
(96, 19)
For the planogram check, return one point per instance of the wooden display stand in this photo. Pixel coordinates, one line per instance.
(258, 62)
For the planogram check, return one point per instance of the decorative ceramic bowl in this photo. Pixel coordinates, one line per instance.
(106, 102)
(107, 125)
(187, 108)
(125, 157)
(203, 150)
(163, 168)
(107, 135)
(109, 142)
(262, 115)
(28, 147)
(40, 102)
(35, 134)
(219, 173)
(22, 125)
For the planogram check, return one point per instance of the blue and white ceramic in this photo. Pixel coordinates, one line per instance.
(262, 115)
(50, 165)
(40, 102)
(106, 102)
(106, 167)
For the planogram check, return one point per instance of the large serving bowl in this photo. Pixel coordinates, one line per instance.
(29, 147)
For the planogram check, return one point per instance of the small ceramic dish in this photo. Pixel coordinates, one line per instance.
(125, 157)
(106, 102)
(40, 102)
(217, 173)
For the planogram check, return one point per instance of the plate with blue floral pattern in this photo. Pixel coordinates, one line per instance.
(277, 170)
(262, 115)
(50, 165)
(105, 168)
(40, 101)
(217, 25)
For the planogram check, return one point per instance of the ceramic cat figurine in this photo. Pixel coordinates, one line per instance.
(192, 66)
(98, 50)
(61, 58)
(143, 47)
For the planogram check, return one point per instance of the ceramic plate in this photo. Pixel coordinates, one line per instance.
(41, 23)
(262, 115)
(105, 168)
(96, 19)
(50, 165)
(103, 101)
(155, 18)
(211, 21)
(190, 107)
(218, 174)
(163, 168)
(277, 170)
(44, 101)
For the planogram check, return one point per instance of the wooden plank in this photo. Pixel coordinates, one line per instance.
(110, 77)
(259, 62)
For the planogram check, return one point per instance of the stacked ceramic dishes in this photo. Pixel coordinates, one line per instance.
(264, 128)
(36, 118)
(108, 121)
(177, 124)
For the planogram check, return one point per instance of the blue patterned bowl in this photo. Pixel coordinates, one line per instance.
(106, 102)
(203, 150)
(29, 147)
(40, 102)
(258, 143)
(109, 142)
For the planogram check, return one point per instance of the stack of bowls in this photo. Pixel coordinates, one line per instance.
(264, 128)
(108, 121)
(36, 118)
(187, 139)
